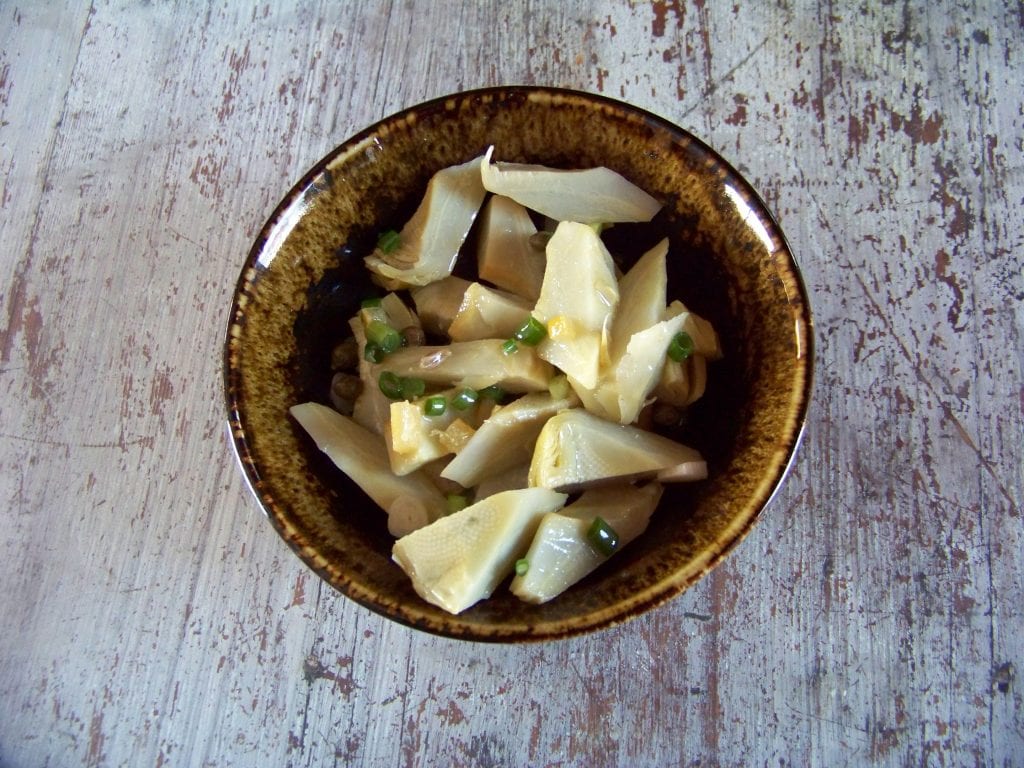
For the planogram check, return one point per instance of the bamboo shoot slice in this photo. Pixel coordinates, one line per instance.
(642, 292)
(438, 303)
(638, 372)
(705, 339)
(505, 439)
(488, 314)
(577, 301)
(460, 559)
(429, 242)
(592, 196)
(577, 449)
(561, 554)
(371, 407)
(505, 256)
(411, 500)
(475, 364)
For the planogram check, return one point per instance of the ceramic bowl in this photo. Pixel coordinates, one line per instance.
(728, 261)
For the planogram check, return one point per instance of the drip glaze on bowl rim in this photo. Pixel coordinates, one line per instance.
(728, 257)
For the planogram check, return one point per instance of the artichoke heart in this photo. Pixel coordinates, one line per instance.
(411, 500)
(591, 196)
(475, 364)
(577, 449)
(577, 302)
(561, 555)
(487, 314)
(505, 439)
(460, 559)
(505, 256)
(429, 242)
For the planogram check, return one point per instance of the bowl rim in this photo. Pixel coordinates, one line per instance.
(612, 615)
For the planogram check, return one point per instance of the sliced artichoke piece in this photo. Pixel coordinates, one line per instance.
(505, 439)
(591, 196)
(411, 501)
(475, 364)
(505, 256)
(488, 314)
(561, 554)
(460, 559)
(577, 302)
(438, 303)
(642, 292)
(577, 449)
(429, 242)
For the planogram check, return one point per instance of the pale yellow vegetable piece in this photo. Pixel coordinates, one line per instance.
(705, 339)
(429, 242)
(577, 449)
(505, 439)
(455, 436)
(577, 302)
(505, 256)
(475, 364)
(511, 479)
(411, 501)
(486, 313)
(399, 315)
(591, 196)
(641, 298)
(624, 391)
(372, 406)
(561, 554)
(460, 559)
(438, 303)
(414, 439)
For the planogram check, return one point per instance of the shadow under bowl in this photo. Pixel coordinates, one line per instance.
(728, 261)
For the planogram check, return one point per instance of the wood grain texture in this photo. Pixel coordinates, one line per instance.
(151, 615)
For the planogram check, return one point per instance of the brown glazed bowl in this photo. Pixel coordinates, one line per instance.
(728, 261)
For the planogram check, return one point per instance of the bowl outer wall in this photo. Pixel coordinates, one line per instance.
(375, 179)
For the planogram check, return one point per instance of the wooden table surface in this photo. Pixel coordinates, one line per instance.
(151, 615)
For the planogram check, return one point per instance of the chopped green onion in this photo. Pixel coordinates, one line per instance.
(456, 502)
(370, 303)
(681, 346)
(413, 387)
(384, 336)
(493, 392)
(388, 241)
(559, 386)
(510, 347)
(373, 352)
(435, 406)
(522, 566)
(531, 332)
(390, 384)
(602, 537)
(465, 398)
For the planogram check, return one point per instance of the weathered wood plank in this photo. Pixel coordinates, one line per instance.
(153, 617)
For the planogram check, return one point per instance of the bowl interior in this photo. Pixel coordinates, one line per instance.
(728, 261)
